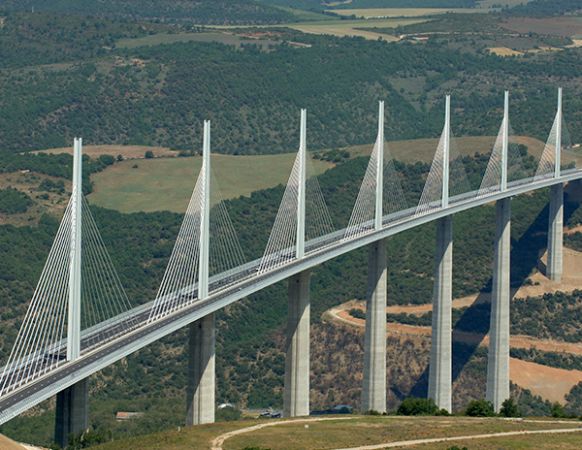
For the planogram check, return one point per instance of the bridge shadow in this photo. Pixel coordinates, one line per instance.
(473, 325)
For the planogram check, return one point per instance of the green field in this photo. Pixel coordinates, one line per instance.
(167, 183)
(371, 13)
(352, 431)
(166, 38)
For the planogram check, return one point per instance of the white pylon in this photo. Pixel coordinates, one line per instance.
(505, 142)
(204, 216)
(446, 152)
(379, 213)
(74, 305)
(300, 240)
(558, 158)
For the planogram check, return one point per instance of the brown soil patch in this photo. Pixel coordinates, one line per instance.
(504, 51)
(127, 151)
(548, 382)
(9, 444)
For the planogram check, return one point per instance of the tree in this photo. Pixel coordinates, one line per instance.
(509, 409)
(480, 408)
(413, 406)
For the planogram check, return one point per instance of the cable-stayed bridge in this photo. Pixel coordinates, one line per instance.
(80, 319)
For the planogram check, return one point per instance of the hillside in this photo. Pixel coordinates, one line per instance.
(356, 431)
(199, 12)
(82, 83)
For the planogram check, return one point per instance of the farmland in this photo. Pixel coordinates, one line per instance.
(167, 183)
(371, 13)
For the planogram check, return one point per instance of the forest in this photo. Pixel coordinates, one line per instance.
(159, 95)
(217, 12)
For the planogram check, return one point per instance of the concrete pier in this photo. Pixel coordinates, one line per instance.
(555, 233)
(72, 415)
(440, 378)
(374, 388)
(498, 357)
(296, 396)
(200, 394)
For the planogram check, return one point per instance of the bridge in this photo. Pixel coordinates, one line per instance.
(80, 320)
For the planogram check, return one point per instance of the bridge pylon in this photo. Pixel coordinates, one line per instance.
(554, 266)
(374, 381)
(497, 390)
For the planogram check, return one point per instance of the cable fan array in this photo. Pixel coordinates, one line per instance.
(180, 284)
(393, 200)
(282, 245)
(41, 343)
(207, 255)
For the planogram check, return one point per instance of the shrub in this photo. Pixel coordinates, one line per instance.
(12, 201)
(414, 406)
(357, 313)
(509, 409)
(558, 411)
(149, 154)
(480, 408)
(106, 160)
(228, 413)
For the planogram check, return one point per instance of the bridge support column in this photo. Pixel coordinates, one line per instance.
(296, 396)
(498, 357)
(72, 415)
(555, 233)
(440, 378)
(201, 379)
(374, 388)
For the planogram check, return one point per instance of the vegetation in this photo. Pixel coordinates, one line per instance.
(12, 201)
(480, 408)
(509, 409)
(202, 12)
(562, 360)
(413, 406)
(551, 316)
(544, 8)
(351, 432)
(169, 89)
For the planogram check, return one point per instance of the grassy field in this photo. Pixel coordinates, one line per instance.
(352, 431)
(163, 38)
(505, 51)
(343, 28)
(167, 183)
(558, 26)
(370, 13)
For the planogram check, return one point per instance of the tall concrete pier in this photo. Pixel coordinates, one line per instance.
(296, 397)
(555, 233)
(440, 378)
(498, 357)
(200, 394)
(374, 388)
(72, 415)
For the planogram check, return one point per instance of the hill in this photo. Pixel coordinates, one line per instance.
(356, 431)
(205, 11)
(81, 83)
